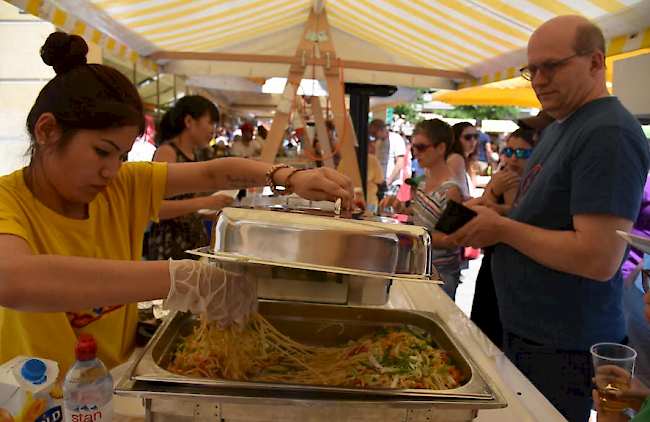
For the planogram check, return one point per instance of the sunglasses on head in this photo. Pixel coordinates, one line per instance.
(519, 152)
(421, 147)
(469, 136)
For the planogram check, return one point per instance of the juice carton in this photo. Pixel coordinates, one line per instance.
(30, 391)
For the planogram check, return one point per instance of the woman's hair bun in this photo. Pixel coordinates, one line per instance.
(64, 52)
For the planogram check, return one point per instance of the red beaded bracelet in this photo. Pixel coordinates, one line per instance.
(288, 189)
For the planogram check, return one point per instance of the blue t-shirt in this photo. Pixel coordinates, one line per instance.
(595, 162)
(483, 138)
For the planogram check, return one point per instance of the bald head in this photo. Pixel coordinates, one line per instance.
(571, 30)
(566, 62)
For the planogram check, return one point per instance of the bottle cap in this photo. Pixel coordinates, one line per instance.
(86, 347)
(358, 190)
(34, 371)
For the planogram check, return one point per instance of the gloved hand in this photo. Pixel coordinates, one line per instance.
(222, 296)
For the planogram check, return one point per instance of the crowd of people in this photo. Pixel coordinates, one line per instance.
(551, 282)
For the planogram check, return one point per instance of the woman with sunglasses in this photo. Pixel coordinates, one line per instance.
(499, 195)
(463, 155)
(431, 143)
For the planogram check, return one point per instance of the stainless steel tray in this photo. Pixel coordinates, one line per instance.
(321, 243)
(325, 325)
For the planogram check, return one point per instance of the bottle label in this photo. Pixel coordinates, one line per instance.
(93, 414)
(54, 414)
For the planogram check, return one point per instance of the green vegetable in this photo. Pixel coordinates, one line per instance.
(418, 335)
(278, 368)
(355, 372)
(381, 331)
(385, 358)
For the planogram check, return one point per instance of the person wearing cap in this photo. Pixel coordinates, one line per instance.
(246, 147)
(537, 123)
(556, 263)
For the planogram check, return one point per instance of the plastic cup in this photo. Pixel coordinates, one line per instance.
(614, 368)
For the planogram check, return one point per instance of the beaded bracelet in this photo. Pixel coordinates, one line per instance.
(269, 178)
(288, 189)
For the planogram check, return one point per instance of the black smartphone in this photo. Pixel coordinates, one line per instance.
(454, 217)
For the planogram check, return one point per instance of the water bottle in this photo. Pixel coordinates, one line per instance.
(88, 386)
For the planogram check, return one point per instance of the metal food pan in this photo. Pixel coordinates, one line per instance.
(322, 243)
(326, 325)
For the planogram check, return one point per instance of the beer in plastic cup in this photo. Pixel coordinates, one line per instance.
(614, 368)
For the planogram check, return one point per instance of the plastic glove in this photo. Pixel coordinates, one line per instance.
(222, 296)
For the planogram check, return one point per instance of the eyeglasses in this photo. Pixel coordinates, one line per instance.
(519, 152)
(547, 69)
(421, 147)
(469, 136)
(645, 280)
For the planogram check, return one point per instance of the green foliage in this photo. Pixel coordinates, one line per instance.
(407, 112)
(481, 112)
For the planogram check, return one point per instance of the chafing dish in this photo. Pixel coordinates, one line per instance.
(304, 241)
(325, 325)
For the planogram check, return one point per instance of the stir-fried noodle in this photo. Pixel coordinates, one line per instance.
(396, 358)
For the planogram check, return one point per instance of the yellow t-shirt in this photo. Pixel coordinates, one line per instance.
(118, 217)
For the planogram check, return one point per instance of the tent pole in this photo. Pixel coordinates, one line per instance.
(321, 131)
(316, 24)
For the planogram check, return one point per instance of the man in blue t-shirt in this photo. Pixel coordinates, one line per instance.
(484, 148)
(556, 265)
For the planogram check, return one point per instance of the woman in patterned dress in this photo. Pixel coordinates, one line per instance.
(189, 125)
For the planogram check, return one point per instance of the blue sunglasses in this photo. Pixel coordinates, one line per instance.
(521, 153)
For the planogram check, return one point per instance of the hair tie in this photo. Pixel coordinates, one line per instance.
(70, 63)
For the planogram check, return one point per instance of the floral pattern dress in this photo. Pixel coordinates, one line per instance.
(171, 238)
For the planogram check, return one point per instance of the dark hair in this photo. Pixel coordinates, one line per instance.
(457, 146)
(525, 134)
(172, 123)
(82, 96)
(589, 37)
(330, 125)
(437, 132)
(262, 132)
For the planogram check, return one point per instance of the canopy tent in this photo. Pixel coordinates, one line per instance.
(420, 43)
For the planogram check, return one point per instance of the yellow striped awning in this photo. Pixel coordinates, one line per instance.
(73, 25)
(484, 38)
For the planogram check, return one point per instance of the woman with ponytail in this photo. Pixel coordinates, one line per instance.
(72, 222)
(189, 125)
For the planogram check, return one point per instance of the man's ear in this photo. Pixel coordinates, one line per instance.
(47, 131)
(597, 62)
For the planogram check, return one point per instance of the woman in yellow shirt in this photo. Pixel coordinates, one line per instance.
(73, 220)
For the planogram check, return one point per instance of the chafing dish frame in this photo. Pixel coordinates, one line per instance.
(147, 379)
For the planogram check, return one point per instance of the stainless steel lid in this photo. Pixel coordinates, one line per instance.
(322, 242)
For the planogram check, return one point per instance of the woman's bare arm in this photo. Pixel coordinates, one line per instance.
(57, 283)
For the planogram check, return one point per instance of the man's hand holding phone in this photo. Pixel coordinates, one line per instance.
(483, 230)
